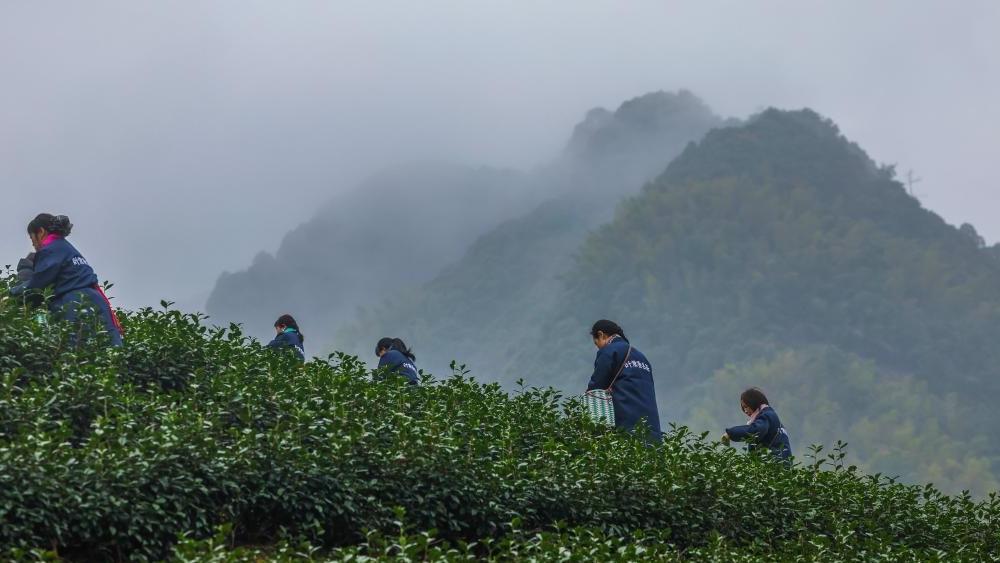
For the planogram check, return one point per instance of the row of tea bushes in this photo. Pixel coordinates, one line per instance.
(115, 454)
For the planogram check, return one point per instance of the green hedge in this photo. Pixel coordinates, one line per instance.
(115, 454)
(560, 544)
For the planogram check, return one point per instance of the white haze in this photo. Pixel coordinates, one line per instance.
(184, 137)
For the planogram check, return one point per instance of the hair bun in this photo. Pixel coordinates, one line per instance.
(61, 225)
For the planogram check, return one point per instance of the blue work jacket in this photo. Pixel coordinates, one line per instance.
(395, 361)
(764, 432)
(632, 393)
(60, 265)
(291, 339)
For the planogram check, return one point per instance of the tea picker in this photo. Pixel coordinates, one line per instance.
(58, 265)
(763, 430)
(395, 357)
(620, 392)
(288, 336)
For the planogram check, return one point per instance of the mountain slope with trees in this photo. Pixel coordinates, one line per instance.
(779, 254)
(782, 230)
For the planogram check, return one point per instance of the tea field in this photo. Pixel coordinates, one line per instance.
(194, 443)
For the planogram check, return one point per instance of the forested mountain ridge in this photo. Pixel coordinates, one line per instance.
(779, 254)
(783, 229)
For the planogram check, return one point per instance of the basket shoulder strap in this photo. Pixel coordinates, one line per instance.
(621, 368)
(774, 438)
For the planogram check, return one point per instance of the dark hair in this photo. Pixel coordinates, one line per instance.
(394, 344)
(289, 321)
(753, 398)
(55, 224)
(609, 328)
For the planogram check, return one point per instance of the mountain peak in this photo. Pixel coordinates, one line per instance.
(639, 125)
(788, 144)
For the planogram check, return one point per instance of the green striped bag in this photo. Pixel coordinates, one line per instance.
(600, 403)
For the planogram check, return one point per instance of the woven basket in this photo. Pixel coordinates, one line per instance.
(600, 406)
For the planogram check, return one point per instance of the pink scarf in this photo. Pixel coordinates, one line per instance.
(50, 239)
(757, 412)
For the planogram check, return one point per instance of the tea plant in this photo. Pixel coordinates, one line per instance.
(196, 443)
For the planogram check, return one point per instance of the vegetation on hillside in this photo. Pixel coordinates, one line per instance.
(199, 435)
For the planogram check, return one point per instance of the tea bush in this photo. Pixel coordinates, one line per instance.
(579, 544)
(118, 454)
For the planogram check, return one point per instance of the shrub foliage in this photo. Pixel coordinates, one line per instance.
(201, 435)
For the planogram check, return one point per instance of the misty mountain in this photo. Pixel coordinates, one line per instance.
(397, 229)
(400, 229)
(784, 231)
(615, 153)
(777, 254)
(508, 276)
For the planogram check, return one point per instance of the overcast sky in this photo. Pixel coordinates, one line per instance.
(184, 137)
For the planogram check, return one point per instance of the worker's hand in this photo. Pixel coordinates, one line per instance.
(725, 438)
(26, 267)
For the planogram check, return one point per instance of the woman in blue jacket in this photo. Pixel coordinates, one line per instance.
(58, 265)
(395, 357)
(288, 337)
(626, 372)
(763, 430)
